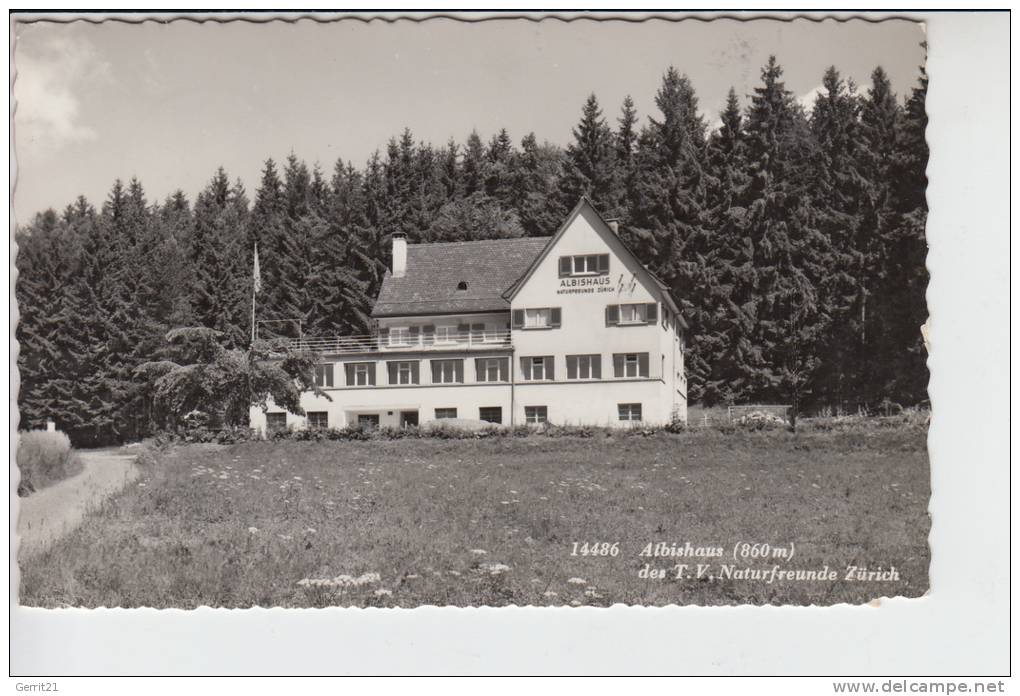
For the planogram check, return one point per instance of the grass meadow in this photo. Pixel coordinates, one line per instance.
(494, 521)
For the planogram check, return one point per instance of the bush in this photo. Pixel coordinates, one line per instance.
(44, 458)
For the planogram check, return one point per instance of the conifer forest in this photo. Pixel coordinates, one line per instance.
(792, 238)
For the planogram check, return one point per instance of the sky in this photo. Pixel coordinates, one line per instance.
(168, 103)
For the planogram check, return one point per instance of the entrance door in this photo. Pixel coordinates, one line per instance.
(408, 419)
(368, 420)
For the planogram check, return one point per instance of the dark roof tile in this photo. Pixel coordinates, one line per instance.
(489, 267)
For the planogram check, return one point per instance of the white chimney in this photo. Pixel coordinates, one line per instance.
(614, 225)
(399, 255)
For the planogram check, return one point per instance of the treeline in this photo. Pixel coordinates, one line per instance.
(792, 239)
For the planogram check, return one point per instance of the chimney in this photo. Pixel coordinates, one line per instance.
(399, 255)
(614, 225)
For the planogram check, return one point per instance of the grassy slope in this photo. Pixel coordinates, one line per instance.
(413, 511)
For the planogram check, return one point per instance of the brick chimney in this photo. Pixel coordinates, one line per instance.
(399, 255)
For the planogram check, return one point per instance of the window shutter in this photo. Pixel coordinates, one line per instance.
(384, 336)
(549, 367)
(565, 265)
(392, 368)
(652, 313)
(504, 367)
(435, 372)
(479, 370)
(643, 364)
(612, 314)
(618, 365)
(415, 372)
(555, 317)
(518, 319)
(459, 371)
(571, 367)
(603, 263)
(412, 333)
(596, 366)
(526, 367)
(371, 373)
(428, 335)
(327, 375)
(463, 331)
(349, 373)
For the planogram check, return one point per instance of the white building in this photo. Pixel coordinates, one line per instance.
(568, 329)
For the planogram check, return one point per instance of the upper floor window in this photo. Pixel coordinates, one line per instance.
(630, 365)
(403, 372)
(629, 314)
(360, 374)
(537, 367)
(403, 335)
(324, 375)
(584, 366)
(491, 369)
(588, 264)
(537, 318)
(447, 371)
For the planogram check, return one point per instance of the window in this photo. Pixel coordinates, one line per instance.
(443, 334)
(491, 414)
(644, 313)
(537, 368)
(360, 374)
(536, 414)
(403, 371)
(491, 369)
(368, 421)
(324, 375)
(629, 412)
(446, 413)
(584, 366)
(630, 365)
(537, 318)
(318, 419)
(276, 421)
(447, 371)
(400, 336)
(588, 264)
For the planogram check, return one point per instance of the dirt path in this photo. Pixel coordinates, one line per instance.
(49, 514)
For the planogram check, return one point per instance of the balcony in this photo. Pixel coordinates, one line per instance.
(404, 343)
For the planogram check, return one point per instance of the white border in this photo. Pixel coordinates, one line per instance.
(961, 628)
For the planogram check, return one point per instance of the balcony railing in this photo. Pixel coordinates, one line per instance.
(382, 343)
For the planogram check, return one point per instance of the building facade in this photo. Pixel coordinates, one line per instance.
(569, 329)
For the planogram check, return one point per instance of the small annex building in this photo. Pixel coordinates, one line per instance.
(570, 329)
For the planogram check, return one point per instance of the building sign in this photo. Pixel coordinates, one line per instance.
(595, 284)
(585, 285)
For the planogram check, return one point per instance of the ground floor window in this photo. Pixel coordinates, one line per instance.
(276, 421)
(630, 412)
(491, 414)
(368, 420)
(446, 413)
(318, 419)
(536, 414)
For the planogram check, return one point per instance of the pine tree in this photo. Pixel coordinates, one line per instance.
(473, 165)
(626, 149)
(791, 319)
(590, 164)
(668, 231)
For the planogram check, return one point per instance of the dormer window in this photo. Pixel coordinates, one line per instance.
(586, 265)
(462, 285)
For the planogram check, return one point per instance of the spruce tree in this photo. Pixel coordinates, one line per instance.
(589, 167)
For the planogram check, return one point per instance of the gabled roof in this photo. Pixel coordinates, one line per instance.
(489, 267)
(585, 202)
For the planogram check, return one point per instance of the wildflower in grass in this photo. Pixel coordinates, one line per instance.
(495, 568)
(285, 537)
(411, 576)
(575, 603)
(455, 572)
(310, 530)
(141, 485)
(382, 592)
(549, 593)
(253, 530)
(479, 552)
(577, 581)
